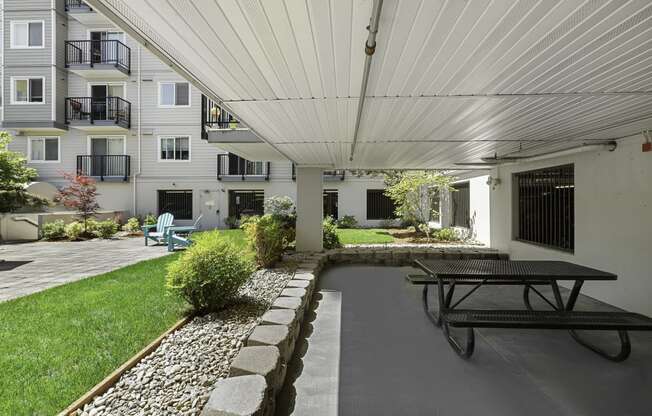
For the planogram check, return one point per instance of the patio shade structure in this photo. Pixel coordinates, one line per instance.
(449, 82)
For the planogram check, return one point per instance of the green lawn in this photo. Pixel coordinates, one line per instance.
(364, 236)
(57, 344)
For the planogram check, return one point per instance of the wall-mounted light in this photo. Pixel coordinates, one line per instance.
(493, 182)
(647, 146)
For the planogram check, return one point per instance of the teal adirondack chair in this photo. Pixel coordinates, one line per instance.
(164, 222)
(180, 236)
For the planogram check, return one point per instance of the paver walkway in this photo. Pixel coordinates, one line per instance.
(55, 263)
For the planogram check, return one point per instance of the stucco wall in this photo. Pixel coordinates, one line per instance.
(613, 228)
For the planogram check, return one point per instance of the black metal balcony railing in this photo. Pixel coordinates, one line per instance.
(95, 52)
(105, 166)
(328, 174)
(231, 165)
(213, 116)
(92, 110)
(77, 5)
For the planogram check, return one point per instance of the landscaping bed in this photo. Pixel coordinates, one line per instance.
(178, 376)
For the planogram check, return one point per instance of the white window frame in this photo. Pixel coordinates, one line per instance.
(90, 85)
(89, 141)
(160, 84)
(12, 34)
(13, 91)
(174, 136)
(107, 29)
(30, 139)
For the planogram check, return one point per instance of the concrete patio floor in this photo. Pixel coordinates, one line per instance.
(49, 264)
(367, 349)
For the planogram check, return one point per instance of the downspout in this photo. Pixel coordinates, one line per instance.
(139, 133)
(609, 145)
(369, 49)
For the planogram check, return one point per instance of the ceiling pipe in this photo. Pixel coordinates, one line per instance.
(609, 145)
(369, 49)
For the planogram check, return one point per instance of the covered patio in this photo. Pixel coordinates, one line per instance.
(543, 107)
(357, 356)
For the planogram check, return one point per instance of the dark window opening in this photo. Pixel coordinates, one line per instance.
(246, 203)
(461, 205)
(177, 203)
(36, 90)
(331, 203)
(379, 205)
(546, 207)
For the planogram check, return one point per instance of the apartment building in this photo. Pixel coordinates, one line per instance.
(79, 95)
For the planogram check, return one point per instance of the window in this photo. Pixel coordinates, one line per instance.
(545, 207)
(174, 94)
(379, 205)
(27, 90)
(174, 148)
(246, 203)
(177, 203)
(331, 203)
(461, 199)
(43, 149)
(27, 34)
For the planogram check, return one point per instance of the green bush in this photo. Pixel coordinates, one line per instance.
(132, 226)
(347, 221)
(446, 234)
(150, 220)
(267, 238)
(54, 230)
(330, 237)
(74, 231)
(231, 222)
(106, 229)
(91, 227)
(209, 273)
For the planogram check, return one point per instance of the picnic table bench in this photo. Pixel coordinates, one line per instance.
(529, 274)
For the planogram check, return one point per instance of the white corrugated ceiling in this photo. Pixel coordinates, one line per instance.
(451, 81)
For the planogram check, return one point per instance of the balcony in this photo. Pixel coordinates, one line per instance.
(234, 168)
(328, 175)
(98, 59)
(220, 126)
(83, 13)
(106, 168)
(106, 114)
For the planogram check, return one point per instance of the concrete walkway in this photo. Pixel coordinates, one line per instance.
(388, 359)
(49, 264)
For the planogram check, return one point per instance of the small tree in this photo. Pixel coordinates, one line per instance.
(413, 193)
(81, 195)
(14, 175)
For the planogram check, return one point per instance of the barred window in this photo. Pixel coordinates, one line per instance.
(546, 207)
(379, 205)
(177, 203)
(246, 203)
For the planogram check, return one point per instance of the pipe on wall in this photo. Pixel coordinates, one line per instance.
(139, 136)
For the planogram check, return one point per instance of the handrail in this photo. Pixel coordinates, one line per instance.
(77, 5)
(92, 109)
(94, 52)
(103, 166)
(242, 167)
(214, 116)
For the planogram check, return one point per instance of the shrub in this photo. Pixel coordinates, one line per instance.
(209, 273)
(54, 230)
(266, 237)
(446, 234)
(74, 231)
(132, 226)
(106, 229)
(231, 222)
(150, 219)
(91, 227)
(347, 221)
(280, 206)
(330, 237)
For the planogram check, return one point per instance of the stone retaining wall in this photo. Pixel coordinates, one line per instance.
(258, 371)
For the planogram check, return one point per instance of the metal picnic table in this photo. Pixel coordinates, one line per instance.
(529, 274)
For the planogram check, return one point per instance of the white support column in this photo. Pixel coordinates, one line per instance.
(310, 208)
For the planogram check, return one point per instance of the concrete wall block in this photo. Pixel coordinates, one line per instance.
(296, 292)
(240, 396)
(276, 335)
(263, 360)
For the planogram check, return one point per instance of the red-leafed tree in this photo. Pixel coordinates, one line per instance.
(80, 194)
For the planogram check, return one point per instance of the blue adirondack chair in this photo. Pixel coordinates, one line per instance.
(180, 236)
(158, 232)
